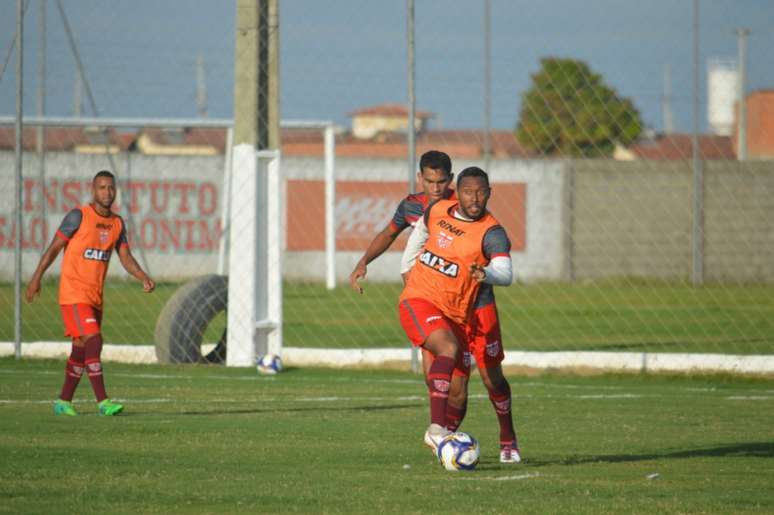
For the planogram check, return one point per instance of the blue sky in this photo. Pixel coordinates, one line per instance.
(339, 56)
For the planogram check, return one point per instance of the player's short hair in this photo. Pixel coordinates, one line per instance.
(104, 173)
(436, 160)
(472, 171)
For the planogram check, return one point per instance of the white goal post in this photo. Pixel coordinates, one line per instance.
(254, 319)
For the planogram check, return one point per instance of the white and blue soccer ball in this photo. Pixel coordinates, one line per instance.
(269, 364)
(459, 451)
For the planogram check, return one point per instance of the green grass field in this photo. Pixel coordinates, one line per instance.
(609, 315)
(201, 439)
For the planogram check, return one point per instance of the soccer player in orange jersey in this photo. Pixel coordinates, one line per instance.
(88, 234)
(444, 310)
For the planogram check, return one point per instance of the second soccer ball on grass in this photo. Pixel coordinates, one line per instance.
(269, 364)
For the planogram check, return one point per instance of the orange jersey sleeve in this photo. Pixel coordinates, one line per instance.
(441, 273)
(87, 256)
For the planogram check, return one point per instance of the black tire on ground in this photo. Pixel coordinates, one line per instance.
(181, 324)
(218, 354)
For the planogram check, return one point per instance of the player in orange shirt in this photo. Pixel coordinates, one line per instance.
(444, 307)
(88, 234)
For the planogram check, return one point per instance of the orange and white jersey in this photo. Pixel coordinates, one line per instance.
(91, 239)
(442, 270)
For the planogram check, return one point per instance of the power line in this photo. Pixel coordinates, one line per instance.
(12, 45)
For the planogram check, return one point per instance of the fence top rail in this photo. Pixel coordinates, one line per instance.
(55, 121)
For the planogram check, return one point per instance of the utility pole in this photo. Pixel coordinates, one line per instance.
(18, 152)
(411, 127)
(741, 142)
(487, 87)
(697, 227)
(40, 140)
(254, 322)
(273, 79)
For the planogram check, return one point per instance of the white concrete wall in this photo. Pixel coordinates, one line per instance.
(183, 195)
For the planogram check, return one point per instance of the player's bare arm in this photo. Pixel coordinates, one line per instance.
(134, 269)
(48, 257)
(376, 248)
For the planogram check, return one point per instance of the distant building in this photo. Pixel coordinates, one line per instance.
(676, 146)
(188, 141)
(760, 125)
(82, 140)
(369, 122)
(722, 84)
(380, 132)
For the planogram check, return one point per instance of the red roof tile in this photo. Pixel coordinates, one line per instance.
(392, 110)
(670, 147)
(63, 139)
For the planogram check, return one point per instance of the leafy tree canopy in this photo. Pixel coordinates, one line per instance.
(569, 110)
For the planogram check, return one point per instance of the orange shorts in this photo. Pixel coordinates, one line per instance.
(80, 319)
(484, 337)
(420, 317)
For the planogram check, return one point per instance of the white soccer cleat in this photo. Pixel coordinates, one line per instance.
(433, 436)
(510, 454)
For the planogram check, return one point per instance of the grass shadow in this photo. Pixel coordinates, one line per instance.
(741, 450)
(326, 409)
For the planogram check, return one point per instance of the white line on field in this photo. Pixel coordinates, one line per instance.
(517, 477)
(515, 386)
(387, 400)
(234, 401)
(255, 377)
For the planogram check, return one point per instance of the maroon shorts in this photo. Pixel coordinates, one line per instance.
(420, 317)
(484, 337)
(80, 319)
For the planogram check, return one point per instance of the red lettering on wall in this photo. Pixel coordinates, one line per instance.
(183, 189)
(364, 208)
(133, 188)
(71, 194)
(159, 205)
(207, 199)
(209, 239)
(33, 233)
(148, 234)
(29, 187)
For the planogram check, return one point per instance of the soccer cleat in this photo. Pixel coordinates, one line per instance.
(433, 436)
(109, 408)
(64, 408)
(509, 453)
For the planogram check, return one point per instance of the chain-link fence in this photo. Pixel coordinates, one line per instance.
(629, 231)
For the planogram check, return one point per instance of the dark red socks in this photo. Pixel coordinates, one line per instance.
(94, 366)
(73, 372)
(439, 382)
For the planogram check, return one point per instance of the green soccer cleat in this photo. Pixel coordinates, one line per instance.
(64, 408)
(109, 408)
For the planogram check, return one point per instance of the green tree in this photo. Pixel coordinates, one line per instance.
(569, 110)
